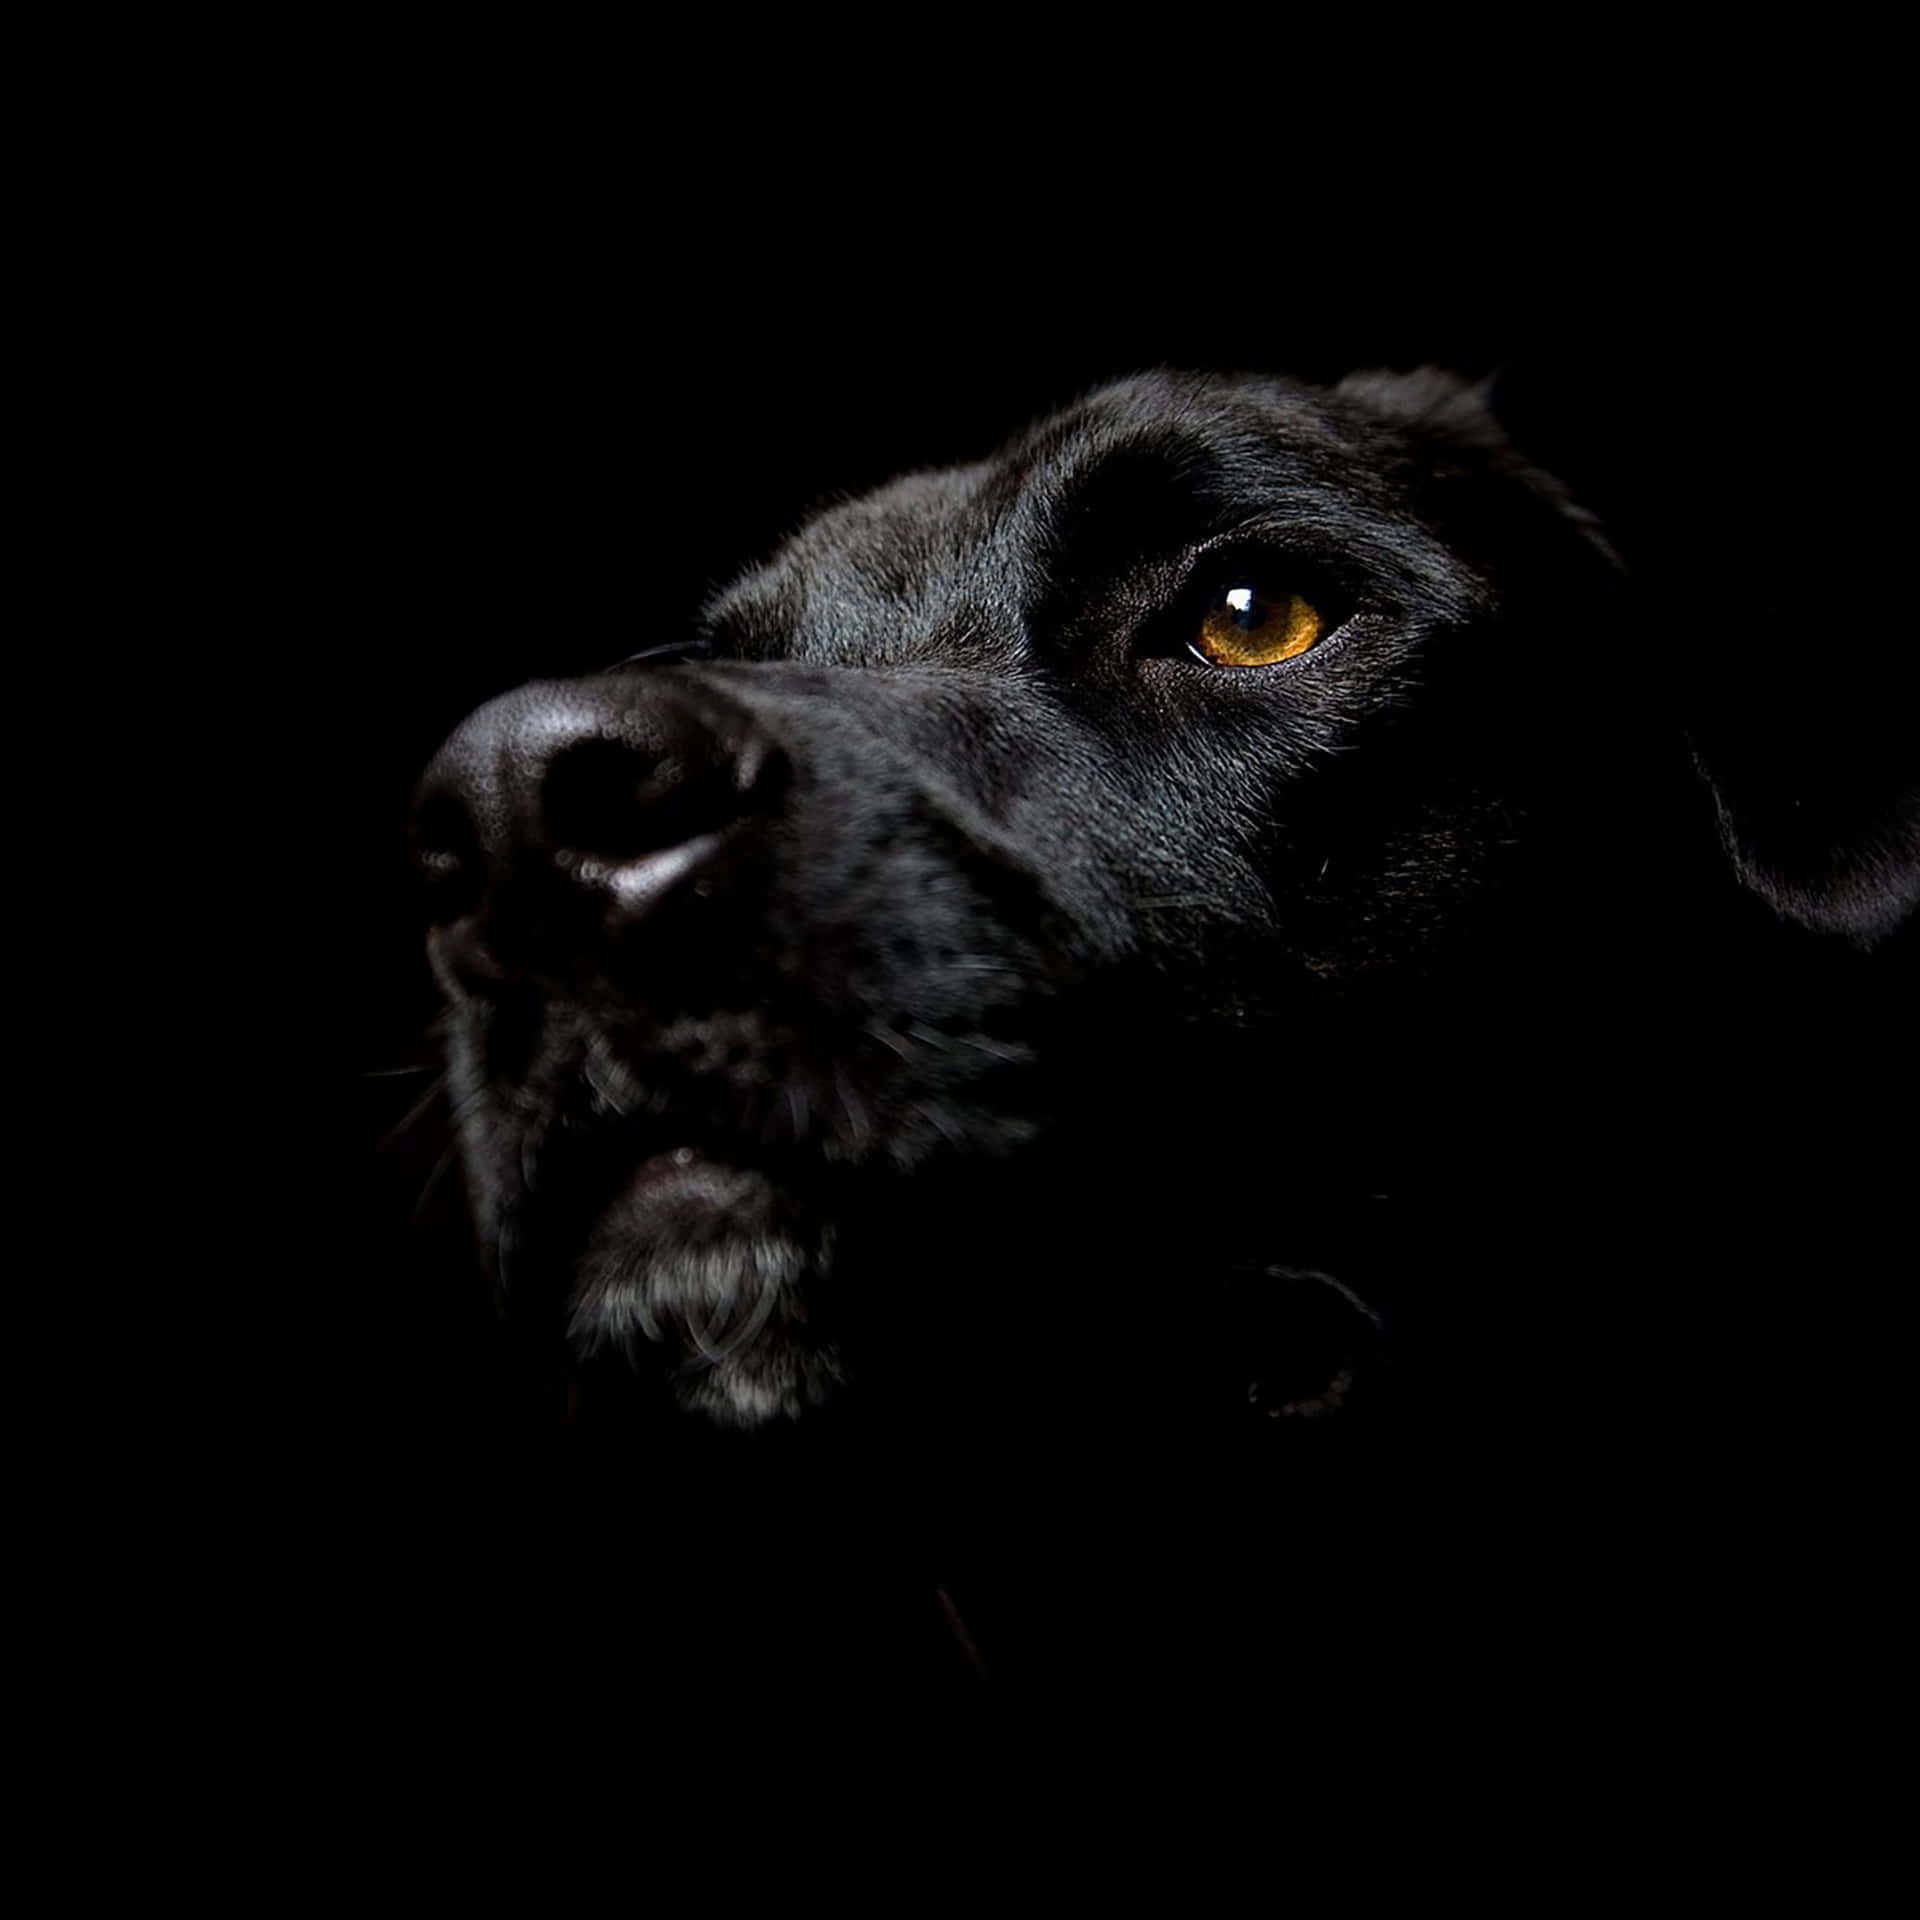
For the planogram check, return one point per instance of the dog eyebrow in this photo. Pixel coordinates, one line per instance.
(1158, 492)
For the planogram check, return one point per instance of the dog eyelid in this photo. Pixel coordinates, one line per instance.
(667, 653)
(1230, 580)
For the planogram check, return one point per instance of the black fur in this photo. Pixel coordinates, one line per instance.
(931, 1008)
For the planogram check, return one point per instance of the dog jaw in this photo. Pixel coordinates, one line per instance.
(707, 1263)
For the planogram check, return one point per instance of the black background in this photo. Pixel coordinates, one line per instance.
(550, 406)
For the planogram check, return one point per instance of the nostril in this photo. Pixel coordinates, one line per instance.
(595, 797)
(621, 802)
(451, 861)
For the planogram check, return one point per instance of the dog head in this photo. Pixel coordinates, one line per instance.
(1046, 881)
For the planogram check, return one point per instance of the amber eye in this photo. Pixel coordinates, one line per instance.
(1246, 627)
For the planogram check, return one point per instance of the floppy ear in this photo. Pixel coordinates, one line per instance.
(1795, 677)
(1772, 584)
(1814, 765)
(1446, 408)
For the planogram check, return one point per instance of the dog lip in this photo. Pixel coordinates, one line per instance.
(662, 1165)
(687, 1191)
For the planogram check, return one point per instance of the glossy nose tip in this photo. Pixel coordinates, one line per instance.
(622, 787)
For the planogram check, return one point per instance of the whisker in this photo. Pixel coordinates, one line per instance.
(431, 1184)
(888, 1041)
(855, 1109)
(1014, 1056)
(414, 1114)
(974, 963)
(946, 1042)
(940, 1126)
(958, 1627)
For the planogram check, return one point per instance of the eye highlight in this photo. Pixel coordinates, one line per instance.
(1248, 627)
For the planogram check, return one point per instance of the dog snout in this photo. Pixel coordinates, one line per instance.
(571, 806)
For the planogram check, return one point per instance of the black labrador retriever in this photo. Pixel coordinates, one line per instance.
(1096, 971)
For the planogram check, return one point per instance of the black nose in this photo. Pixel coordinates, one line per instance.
(570, 805)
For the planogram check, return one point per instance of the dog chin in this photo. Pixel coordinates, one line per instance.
(707, 1265)
(765, 1383)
